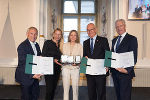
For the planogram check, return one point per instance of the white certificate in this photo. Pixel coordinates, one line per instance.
(43, 65)
(122, 60)
(126, 59)
(95, 67)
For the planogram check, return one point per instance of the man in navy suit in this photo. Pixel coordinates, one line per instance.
(122, 77)
(29, 82)
(148, 8)
(94, 48)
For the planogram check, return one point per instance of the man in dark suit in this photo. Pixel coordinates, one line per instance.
(122, 77)
(148, 10)
(29, 83)
(148, 7)
(94, 48)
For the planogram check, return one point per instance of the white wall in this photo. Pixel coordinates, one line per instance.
(16, 16)
(141, 30)
(23, 14)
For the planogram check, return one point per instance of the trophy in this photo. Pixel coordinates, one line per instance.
(65, 59)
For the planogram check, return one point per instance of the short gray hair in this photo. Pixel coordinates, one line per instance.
(30, 28)
(120, 20)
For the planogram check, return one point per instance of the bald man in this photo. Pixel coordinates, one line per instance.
(94, 48)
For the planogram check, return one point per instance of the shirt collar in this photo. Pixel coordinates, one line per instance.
(122, 35)
(94, 38)
(32, 42)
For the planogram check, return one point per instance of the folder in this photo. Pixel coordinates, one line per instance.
(119, 60)
(108, 57)
(83, 65)
(29, 61)
(39, 65)
(96, 67)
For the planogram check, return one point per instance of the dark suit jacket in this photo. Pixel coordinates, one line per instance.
(148, 8)
(129, 43)
(23, 49)
(101, 44)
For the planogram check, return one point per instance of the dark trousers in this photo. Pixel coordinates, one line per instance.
(51, 84)
(30, 92)
(96, 87)
(123, 86)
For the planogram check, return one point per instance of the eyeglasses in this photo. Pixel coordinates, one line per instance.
(88, 30)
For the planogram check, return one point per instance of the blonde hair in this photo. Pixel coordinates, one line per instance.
(61, 41)
(77, 39)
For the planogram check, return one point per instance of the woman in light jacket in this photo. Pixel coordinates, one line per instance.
(71, 71)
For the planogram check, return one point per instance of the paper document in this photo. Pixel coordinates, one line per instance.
(38, 65)
(95, 67)
(119, 60)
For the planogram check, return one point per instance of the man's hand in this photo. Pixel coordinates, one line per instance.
(86, 57)
(37, 76)
(107, 69)
(122, 70)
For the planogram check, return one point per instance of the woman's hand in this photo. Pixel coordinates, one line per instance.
(56, 61)
(74, 64)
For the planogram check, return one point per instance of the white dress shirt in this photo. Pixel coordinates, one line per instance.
(122, 36)
(33, 47)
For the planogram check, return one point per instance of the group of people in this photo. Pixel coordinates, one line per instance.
(142, 11)
(93, 48)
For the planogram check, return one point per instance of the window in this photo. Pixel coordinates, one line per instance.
(76, 15)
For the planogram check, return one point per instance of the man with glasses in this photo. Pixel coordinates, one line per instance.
(94, 48)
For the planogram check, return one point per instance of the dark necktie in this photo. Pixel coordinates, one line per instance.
(118, 42)
(91, 46)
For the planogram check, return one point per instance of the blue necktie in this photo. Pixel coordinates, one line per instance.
(118, 42)
(91, 46)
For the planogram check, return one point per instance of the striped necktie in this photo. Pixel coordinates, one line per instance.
(118, 42)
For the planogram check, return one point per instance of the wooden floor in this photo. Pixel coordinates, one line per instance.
(12, 92)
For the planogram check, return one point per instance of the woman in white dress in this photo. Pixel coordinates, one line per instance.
(144, 14)
(71, 71)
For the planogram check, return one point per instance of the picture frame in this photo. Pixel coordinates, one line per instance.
(139, 10)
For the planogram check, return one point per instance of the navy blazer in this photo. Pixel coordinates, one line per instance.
(23, 49)
(101, 44)
(129, 43)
